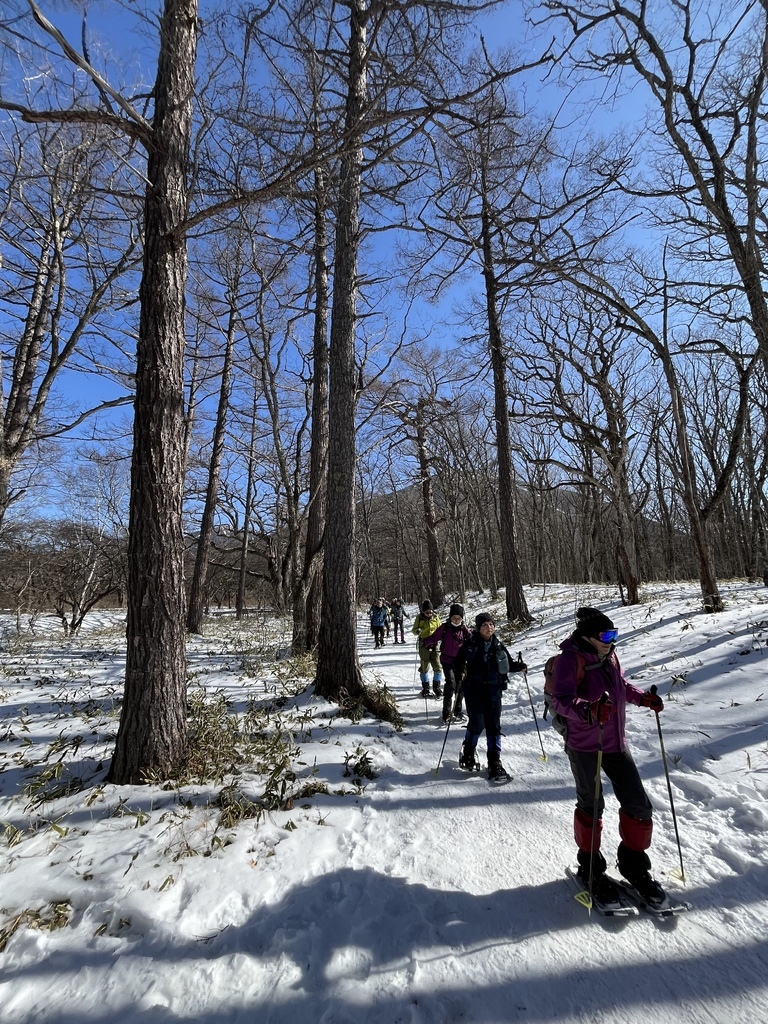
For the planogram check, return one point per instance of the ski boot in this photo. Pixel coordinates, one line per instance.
(467, 759)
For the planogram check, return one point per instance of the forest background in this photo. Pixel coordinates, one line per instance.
(302, 303)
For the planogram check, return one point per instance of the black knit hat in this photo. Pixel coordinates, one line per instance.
(456, 609)
(426, 606)
(592, 622)
(482, 618)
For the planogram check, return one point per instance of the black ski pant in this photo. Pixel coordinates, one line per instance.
(483, 712)
(451, 691)
(398, 624)
(624, 776)
(378, 636)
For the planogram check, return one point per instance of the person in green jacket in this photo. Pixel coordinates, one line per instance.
(424, 625)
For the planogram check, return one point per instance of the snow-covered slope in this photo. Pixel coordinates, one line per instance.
(413, 897)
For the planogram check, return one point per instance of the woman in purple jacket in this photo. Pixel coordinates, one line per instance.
(590, 696)
(451, 635)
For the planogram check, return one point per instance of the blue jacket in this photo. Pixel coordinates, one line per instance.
(379, 616)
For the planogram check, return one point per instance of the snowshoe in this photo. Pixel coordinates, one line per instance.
(647, 893)
(607, 899)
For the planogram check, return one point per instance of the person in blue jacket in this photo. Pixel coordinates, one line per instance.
(379, 619)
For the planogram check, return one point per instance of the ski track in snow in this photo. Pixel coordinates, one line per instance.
(430, 898)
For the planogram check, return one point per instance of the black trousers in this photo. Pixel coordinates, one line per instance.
(483, 712)
(625, 779)
(378, 635)
(451, 687)
(398, 624)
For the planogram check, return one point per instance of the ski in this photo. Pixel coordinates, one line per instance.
(622, 907)
(669, 908)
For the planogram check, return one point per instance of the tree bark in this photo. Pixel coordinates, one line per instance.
(338, 667)
(197, 588)
(152, 736)
(516, 605)
(436, 591)
(318, 454)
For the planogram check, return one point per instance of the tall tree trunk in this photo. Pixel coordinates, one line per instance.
(436, 591)
(197, 589)
(710, 594)
(153, 727)
(338, 667)
(312, 590)
(517, 607)
(242, 575)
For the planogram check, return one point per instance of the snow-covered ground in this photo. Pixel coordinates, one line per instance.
(411, 897)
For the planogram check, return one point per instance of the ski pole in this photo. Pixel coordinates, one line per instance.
(533, 709)
(669, 790)
(450, 721)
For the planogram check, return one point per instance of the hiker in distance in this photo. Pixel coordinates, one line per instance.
(379, 616)
(488, 665)
(398, 614)
(590, 697)
(424, 625)
(451, 636)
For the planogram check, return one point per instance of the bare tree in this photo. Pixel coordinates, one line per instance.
(63, 262)
(706, 183)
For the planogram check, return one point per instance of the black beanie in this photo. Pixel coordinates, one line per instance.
(456, 609)
(426, 606)
(591, 622)
(482, 618)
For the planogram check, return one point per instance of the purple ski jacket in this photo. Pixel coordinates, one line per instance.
(452, 638)
(573, 708)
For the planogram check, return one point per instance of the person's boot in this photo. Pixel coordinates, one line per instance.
(635, 866)
(604, 889)
(496, 770)
(467, 759)
(437, 688)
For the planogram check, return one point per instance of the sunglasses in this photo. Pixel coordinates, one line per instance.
(607, 636)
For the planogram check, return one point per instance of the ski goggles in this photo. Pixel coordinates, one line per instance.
(608, 636)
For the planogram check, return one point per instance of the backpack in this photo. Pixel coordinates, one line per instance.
(549, 679)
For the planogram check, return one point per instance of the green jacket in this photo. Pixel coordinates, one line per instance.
(424, 626)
